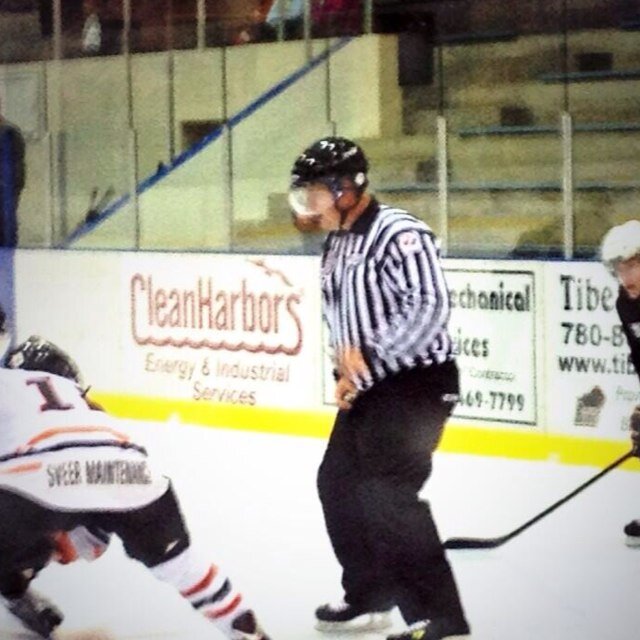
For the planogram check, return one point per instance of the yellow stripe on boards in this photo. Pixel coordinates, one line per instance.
(458, 438)
(208, 414)
(536, 445)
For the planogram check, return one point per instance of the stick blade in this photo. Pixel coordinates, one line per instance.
(473, 543)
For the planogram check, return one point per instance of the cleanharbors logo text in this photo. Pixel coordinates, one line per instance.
(206, 316)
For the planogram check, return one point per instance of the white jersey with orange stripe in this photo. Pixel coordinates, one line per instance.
(55, 448)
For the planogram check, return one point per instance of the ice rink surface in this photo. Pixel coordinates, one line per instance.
(250, 502)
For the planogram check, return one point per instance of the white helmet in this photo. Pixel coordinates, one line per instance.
(620, 243)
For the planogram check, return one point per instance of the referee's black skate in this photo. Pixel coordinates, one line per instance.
(344, 617)
(632, 531)
(435, 630)
(36, 613)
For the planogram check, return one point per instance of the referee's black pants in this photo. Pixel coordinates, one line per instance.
(378, 457)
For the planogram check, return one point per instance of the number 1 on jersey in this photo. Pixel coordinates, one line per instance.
(52, 401)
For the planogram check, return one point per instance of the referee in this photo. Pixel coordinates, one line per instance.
(385, 302)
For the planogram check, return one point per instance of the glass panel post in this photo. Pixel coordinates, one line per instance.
(567, 185)
(443, 181)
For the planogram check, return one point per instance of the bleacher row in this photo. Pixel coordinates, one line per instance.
(503, 102)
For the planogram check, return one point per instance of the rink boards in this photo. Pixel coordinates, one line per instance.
(237, 341)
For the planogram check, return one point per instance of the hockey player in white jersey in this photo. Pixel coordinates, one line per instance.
(70, 477)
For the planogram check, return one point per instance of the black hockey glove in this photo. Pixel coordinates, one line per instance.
(634, 429)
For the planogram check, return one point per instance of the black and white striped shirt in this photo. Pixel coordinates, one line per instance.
(384, 292)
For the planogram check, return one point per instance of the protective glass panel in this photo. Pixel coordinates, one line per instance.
(406, 175)
(187, 206)
(603, 93)
(11, 182)
(264, 148)
(92, 158)
(503, 136)
(34, 206)
(96, 175)
(404, 170)
(118, 229)
(24, 153)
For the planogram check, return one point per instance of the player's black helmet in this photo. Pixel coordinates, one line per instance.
(38, 354)
(331, 157)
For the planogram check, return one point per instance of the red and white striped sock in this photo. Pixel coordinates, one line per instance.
(203, 584)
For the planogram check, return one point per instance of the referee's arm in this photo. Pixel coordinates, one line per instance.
(412, 274)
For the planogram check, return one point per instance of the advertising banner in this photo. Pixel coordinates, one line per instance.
(493, 326)
(539, 344)
(232, 329)
(72, 299)
(591, 383)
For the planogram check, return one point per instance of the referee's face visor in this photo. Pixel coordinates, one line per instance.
(314, 199)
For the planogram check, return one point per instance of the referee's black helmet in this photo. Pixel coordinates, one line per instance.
(330, 157)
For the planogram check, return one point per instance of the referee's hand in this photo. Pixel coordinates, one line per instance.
(351, 363)
(346, 393)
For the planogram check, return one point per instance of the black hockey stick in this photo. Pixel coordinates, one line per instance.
(492, 543)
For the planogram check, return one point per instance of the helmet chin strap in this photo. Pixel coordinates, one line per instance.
(344, 212)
